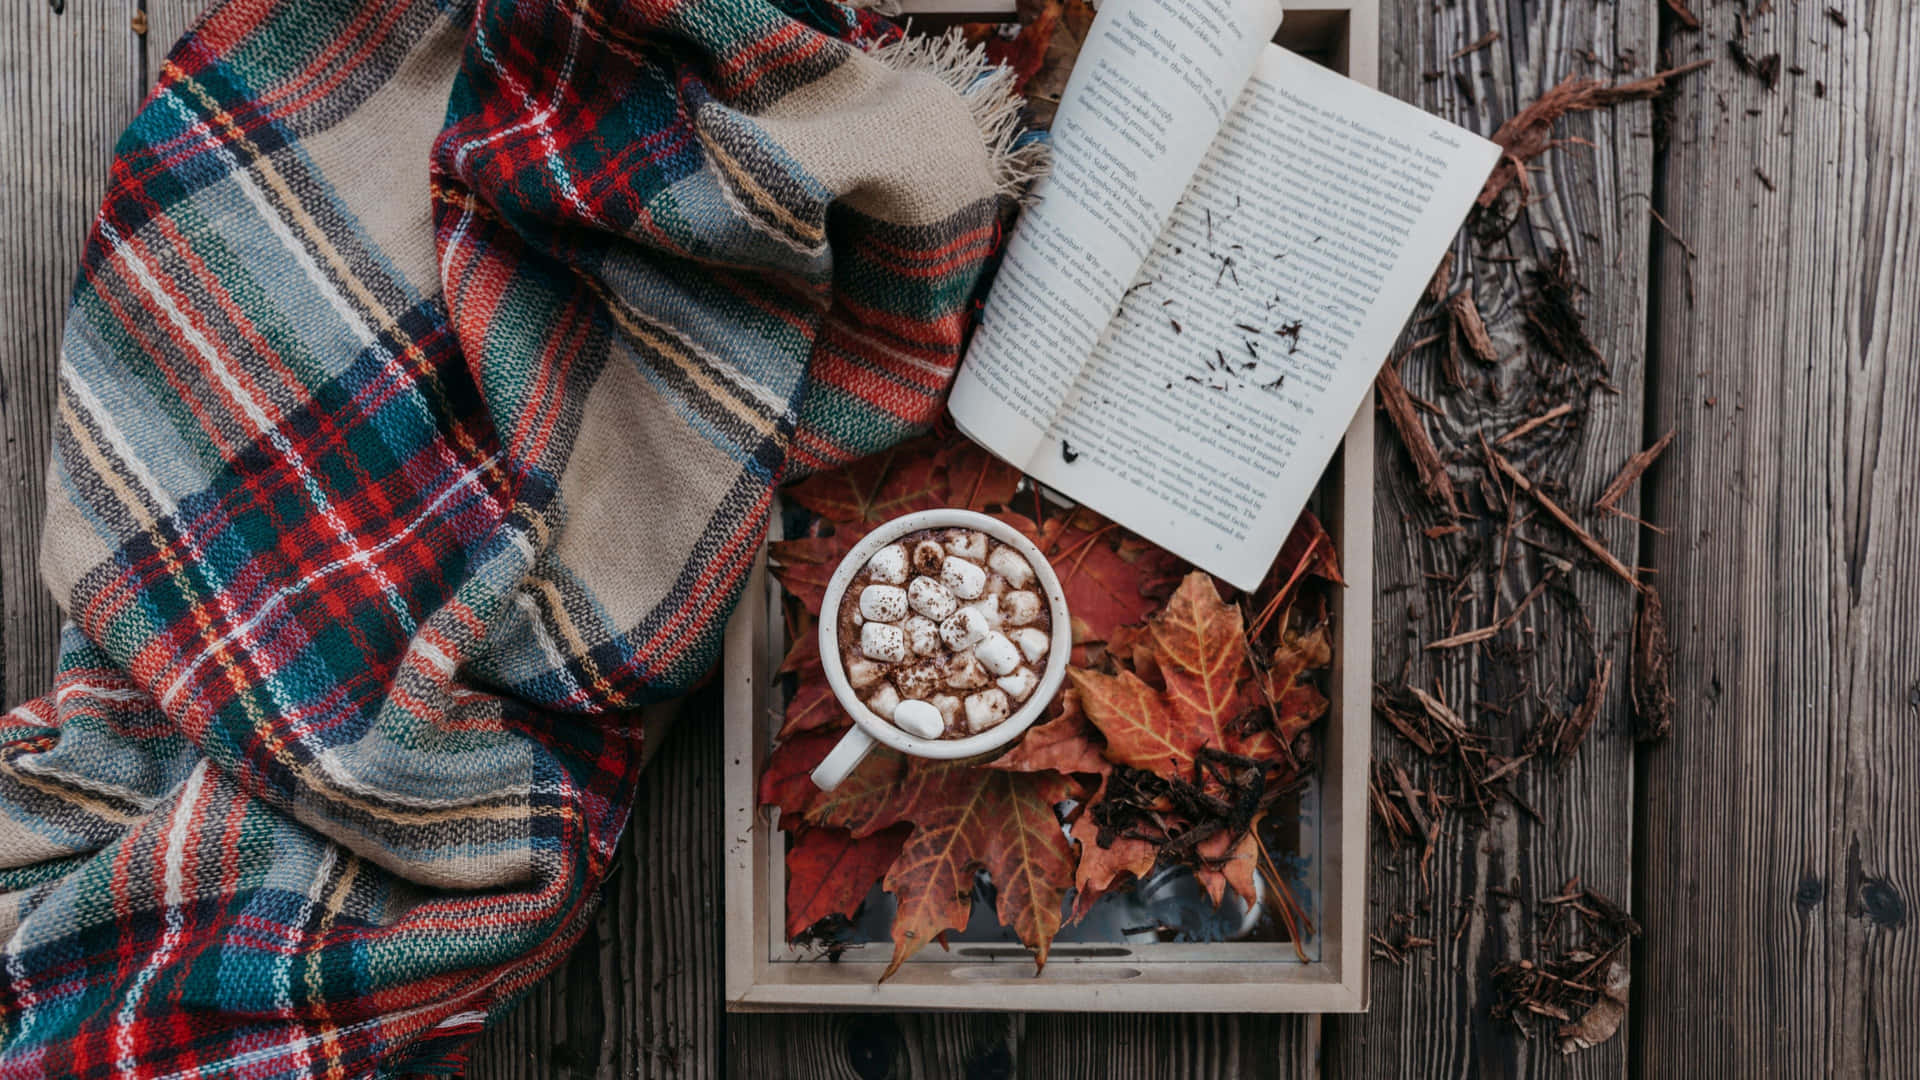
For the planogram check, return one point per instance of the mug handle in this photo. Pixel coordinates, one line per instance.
(843, 759)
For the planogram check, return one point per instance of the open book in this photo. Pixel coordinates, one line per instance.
(1207, 282)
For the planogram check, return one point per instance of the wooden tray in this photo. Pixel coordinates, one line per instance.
(764, 974)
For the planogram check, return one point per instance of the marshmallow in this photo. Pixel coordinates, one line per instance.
(968, 544)
(1019, 684)
(949, 707)
(921, 680)
(922, 635)
(882, 642)
(1020, 608)
(883, 603)
(989, 609)
(965, 673)
(999, 655)
(928, 555)
(889, 565)
(919, 718)
(963, 628)
(964, 579)
(884, 700)
(930, 598)
(862, 672)
(1033, 642)
(1011, 565)
(987, 709)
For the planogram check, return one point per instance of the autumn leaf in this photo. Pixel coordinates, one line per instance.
(876, 488)
(1064, 743)
(967, 819)
(805, 564)
(1024, 53)
(1229, 860)
(830, 872)
(975, 479)
(787, 779)
(1293, 704)
(1111, 578)
(1102, 867)
(1201, 653)
(1201, 648)
(812, 705)
(811, 708)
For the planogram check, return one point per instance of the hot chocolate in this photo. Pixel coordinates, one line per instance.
(944, 634)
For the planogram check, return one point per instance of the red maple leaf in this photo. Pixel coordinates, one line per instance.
(1064, 742)
(966, 819)
(1200, 650)
(1111, 577)
(830, 872)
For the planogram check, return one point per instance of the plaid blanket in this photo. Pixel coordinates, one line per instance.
(425, 382)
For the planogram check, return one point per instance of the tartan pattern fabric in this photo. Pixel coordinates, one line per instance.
(425, 384)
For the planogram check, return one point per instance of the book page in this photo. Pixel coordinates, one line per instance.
(1218, 394)
(1149, 90)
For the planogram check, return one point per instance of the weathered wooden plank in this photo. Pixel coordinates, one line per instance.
(871, 1046)
(1430, 1017)
(1781, 856)
(1094, 1047)
(1056, 1046)
(70, 80)
(166, 21)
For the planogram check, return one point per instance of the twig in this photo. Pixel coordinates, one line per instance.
(1547, 417)
(1586, 539)
(1413, 435)
(1629, 473)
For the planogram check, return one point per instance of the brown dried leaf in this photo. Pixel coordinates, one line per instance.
(1065, 743)
(1529, 132)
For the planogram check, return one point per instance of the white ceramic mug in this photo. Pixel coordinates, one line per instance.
(869, 727)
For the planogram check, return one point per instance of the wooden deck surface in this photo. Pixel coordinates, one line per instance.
(1753, 282)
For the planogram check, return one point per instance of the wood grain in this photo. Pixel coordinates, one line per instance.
(1781, 831)
(70, 81)
(1590, 201)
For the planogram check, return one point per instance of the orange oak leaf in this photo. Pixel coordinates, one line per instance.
(1294, 705)
(968, 819)
(1102, 867)
(830, 871)
(1229, 862)
(1064, 743)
